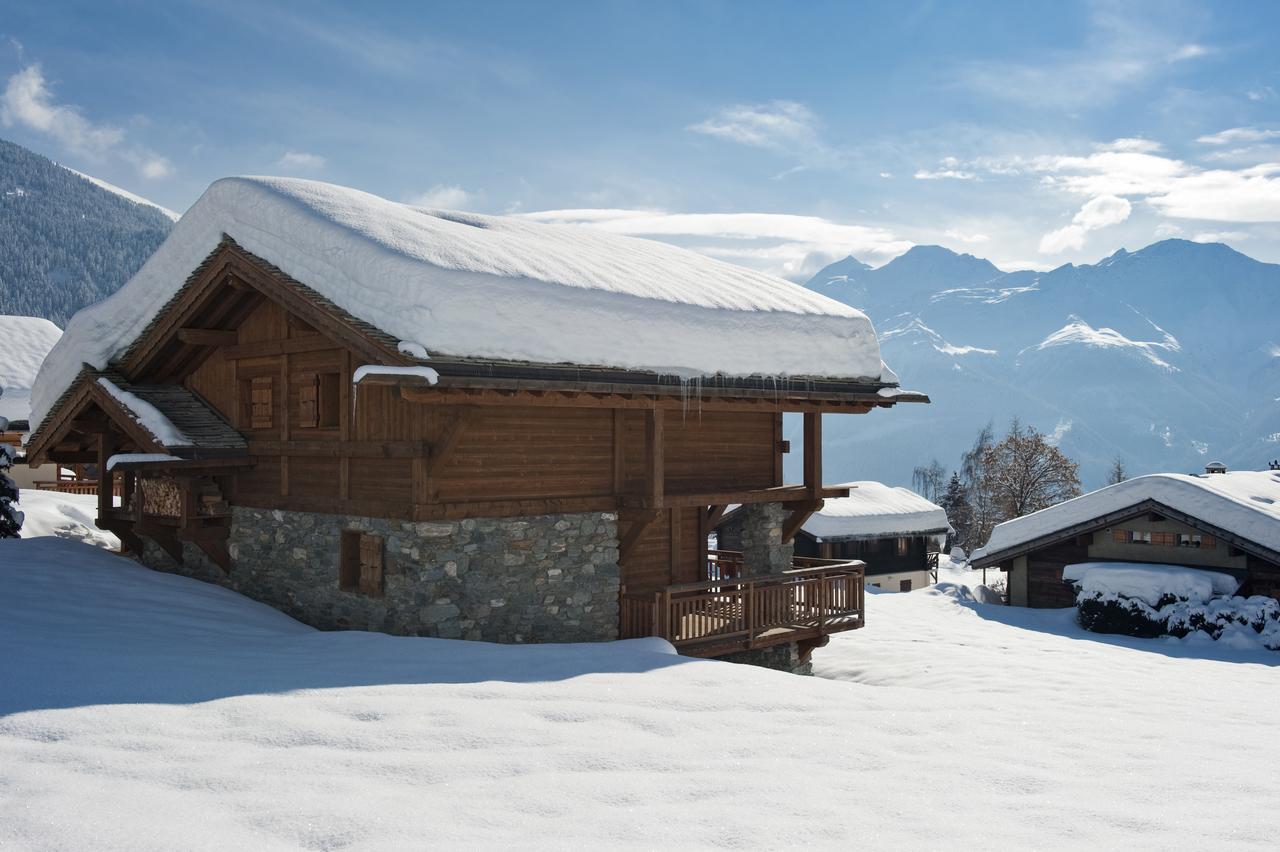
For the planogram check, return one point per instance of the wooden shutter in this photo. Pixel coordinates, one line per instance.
(371, 565)
(1208, 542)
(1120, 536)
(308, 400)
(261, 403)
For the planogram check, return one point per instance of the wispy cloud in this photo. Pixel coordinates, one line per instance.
(301, 161)
(949, 168)
(973, 239)
(785, 127)
(28, 102)
(784, 244)
(1124, 47)
(1220, 237)
(443, 197)
(1239, 136)
(1096, 213)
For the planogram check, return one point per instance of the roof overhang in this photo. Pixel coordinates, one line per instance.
(988, 560)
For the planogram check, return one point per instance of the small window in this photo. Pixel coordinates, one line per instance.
(317, 404)
(1139, 537)
(360, 563)
(261, 402)
(904, 585)
(904, 546)
(1195, 540)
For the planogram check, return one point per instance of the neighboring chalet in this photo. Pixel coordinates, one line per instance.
(376, 416)
(895, 531)
(1228, 522)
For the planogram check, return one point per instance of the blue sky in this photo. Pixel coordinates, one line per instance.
(780, 135)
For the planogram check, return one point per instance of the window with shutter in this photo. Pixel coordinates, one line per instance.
(1120, 536)
(360, 563)
(308, 414)
(261, 402)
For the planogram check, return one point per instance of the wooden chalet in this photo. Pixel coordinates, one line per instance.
(1225, 522)
(244, 451)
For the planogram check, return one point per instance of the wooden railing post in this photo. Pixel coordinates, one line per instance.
(748, 611)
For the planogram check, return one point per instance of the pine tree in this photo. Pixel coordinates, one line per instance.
(1117, 474)
(955, 501)
(973, 474)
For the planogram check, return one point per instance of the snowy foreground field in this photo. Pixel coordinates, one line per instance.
(145, 711)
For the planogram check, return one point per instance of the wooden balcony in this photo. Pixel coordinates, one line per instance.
(730, 611)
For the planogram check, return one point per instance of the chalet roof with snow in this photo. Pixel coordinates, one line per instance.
(876, 510)
(1241, 507)
(461, 289)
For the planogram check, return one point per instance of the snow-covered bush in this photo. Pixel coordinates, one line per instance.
(1168, 600)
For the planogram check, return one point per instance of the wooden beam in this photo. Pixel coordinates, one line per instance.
(655, 469)
(673, 522)
(813, 454)
(619, 466)
(782, 494)
(587, 398)
(639, 523)
(714, 514)
(340, 449)
(800, 513)
(443, 448)
(208, 336)
(268, 348)
(106, 446)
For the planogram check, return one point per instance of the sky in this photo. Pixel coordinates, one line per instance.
(777, 135)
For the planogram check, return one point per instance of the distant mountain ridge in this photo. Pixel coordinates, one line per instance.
(67, 240)
(1167, 357)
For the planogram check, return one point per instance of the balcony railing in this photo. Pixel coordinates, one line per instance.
(731, 611)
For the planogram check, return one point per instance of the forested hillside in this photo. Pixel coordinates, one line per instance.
(66, 242)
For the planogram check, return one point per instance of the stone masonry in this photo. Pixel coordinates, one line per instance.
(547, 578)
(760, 538)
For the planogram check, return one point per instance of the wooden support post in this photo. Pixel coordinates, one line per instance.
(655, 468)
(813, 454)
(640, 521)
(346, 425)
(443, 448)
(675, 574)
(106, 447)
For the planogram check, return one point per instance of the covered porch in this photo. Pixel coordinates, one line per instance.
(731, 610)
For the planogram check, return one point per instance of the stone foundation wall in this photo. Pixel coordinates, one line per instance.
(785, 657)
(760, 538)
(547, 578)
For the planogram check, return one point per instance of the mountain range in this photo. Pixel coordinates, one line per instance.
(66, 239)
(1166, 358)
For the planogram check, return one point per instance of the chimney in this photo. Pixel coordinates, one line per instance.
(1215, 467)
(1275, 464)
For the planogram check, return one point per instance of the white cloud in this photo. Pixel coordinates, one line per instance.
(1110, 172)
(443, 197)
(1223, 195)
(1220, 237)
(963, 237)
(1262, 93)
(1133, 144)
(28, 102)
(1100, 212)
(949, 168)
(784, 244)
(301, 161)
(786, 127)
(1239, 135)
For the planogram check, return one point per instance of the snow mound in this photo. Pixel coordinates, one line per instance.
(69, 516)
(469, 285)
(1246, 503)
(24, 341)
(1149, 583)
(876, 509)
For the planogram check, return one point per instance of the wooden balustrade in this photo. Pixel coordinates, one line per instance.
(731, 611)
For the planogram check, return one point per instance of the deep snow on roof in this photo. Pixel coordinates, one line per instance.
(468, 285)
(876, 509)
(1246, 503)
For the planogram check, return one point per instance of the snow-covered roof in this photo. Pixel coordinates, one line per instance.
(24, 343)
(874, 509)
(468, 285)
(1245, 503)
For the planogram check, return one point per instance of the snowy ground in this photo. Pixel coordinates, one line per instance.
(68, 516)
(145, 711)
